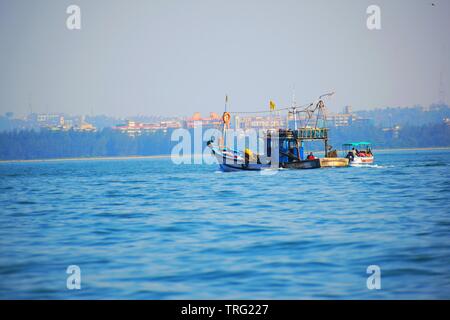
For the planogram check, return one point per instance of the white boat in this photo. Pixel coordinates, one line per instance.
(359, 153)
(359, 161)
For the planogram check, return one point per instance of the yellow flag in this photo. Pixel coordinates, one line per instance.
(272, 105)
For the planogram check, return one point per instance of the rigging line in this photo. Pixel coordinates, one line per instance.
(265, 111)
(304, 108)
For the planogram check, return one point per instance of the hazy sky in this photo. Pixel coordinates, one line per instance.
(176, 57)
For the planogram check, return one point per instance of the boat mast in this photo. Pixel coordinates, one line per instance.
(222, 140)
(226, 118)
(294, 108)
(226, 102)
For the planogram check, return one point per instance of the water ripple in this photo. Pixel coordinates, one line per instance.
(150, 229)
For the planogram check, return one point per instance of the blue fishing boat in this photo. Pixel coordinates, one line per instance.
(231, 160)
(287, 144)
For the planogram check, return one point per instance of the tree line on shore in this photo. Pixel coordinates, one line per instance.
(30, 144)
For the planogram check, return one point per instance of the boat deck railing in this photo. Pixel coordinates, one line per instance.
(312, 133)
(305, 134)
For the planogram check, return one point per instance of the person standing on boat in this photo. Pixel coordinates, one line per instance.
(250, 157)
(310, 156)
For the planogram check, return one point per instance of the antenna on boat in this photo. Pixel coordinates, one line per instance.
(226, 102)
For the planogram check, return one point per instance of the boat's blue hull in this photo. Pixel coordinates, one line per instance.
(242, 167)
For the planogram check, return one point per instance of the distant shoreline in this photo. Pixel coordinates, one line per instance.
(168, 156)
(414, 149)
(88, 159)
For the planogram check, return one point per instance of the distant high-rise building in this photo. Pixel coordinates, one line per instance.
(348, 110)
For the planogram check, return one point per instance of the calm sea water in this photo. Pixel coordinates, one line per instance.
(150, 229)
